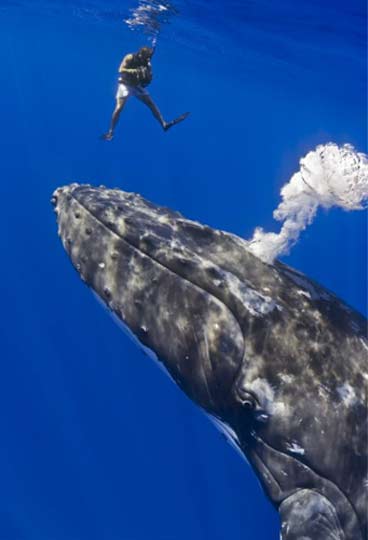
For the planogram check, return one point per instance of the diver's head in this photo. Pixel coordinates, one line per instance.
(145, 53)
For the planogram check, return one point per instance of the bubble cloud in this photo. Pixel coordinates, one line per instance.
(329, 176)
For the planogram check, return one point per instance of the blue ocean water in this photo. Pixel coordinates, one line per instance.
(96, 443)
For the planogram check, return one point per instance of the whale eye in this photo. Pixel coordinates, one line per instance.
(249, 404)
(248, 401)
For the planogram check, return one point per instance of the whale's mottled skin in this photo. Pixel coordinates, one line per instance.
(279, 361)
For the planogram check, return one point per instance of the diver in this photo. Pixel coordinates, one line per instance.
(135, 74)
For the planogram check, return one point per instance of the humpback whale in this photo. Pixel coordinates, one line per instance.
(278, 361)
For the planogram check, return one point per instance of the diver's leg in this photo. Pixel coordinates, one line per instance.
(120, 103)
(145, 98)
(308, 515)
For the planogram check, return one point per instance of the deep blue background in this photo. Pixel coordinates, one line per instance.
(95, 442)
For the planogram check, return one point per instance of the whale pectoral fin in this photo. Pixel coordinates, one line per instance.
(308, 515)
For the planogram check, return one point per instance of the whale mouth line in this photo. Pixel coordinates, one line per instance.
(158, 262)
(135, 247)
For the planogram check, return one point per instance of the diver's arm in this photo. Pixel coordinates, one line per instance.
(124, 66)
(130, 70)
(125, 61)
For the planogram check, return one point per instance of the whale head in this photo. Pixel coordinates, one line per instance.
(272, 356)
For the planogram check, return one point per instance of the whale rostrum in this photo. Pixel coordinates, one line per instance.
(277, 360)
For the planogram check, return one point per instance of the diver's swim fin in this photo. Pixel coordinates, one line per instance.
(176, 121)
(107, 136)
